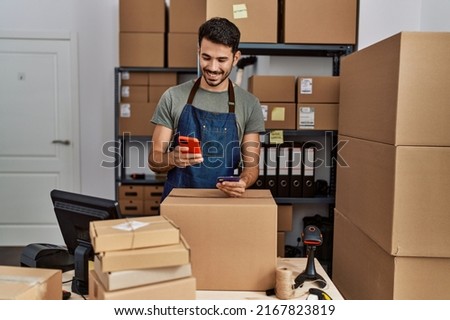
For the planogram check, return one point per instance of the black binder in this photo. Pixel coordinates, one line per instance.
(271, 180)
(308, 174)
(296, 169)
(283, 169)
(261, 181)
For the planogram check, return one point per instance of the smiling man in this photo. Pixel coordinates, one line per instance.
(224, 117)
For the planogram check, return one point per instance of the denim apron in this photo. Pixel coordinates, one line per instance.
(219, 140)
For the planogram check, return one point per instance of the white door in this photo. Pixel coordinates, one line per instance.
(39, 133)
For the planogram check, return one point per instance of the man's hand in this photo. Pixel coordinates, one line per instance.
(232, 189)
(182, 159)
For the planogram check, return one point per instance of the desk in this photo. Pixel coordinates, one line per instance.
(296, 265)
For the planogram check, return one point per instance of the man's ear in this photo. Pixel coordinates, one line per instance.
(236, 58)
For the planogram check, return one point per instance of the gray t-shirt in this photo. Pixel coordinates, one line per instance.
(248, 111)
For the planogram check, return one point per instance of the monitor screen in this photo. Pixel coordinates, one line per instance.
(74, 213)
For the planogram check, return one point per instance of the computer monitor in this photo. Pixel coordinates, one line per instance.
(74, 213)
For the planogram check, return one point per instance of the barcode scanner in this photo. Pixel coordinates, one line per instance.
(312, 238)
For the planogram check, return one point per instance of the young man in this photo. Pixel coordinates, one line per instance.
(225, 118)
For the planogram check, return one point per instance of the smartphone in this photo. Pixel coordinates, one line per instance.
(192, 143)
(228, 178)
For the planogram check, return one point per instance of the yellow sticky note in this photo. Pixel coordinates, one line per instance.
(240, 11)
(277, 114)
(276, 136)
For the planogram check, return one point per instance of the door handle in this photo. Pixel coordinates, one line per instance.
(64, 142)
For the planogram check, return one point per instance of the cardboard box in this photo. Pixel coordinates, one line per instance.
(131, 192)
(138, 49)
(182, 50)
(318, 116)
(180, 289)
(279, 115)
(285, 217)
(142, 15)
(180, 21)
(132, 278)
(281, 243)
(362, 270)
(153, 192)
(317, 89)
(131, 207)
(320, 21)
(135, 118)
(396, 91)
(275, 88)
(155, 93)
(144, 258)
(22, 283)
(134, 78)
(256, 19)
(134, 93)
(233, 240)
(398, 196)
(151, 207)
(162, 79)
(120, 234)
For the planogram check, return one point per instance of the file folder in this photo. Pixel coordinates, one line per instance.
(283, 170)
(296, 169)
(271, 182)
(309, 161)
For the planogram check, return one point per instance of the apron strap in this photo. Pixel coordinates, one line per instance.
(231, 98)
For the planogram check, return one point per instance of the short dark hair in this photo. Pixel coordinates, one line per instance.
(222, 31)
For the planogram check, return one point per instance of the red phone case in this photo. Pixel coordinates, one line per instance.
(192, 143)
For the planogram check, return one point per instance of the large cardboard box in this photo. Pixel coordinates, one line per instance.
(279, 115)
(317, 116)
(182, 50)
(144, 258)
(256, 19)
(20, 283)
(320, 21)
(397, 90)
(134, 118)
(134, 93)
(272, 88)
(179, 289)
(398, 196)
(186, 16)
(121, 234)
(129, 78)
(132, 278)
(142, 15)
(317, 89)
(363, 270)
(233, 240)
(141, 49)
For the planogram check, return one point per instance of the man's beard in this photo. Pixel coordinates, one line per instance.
(218, 81)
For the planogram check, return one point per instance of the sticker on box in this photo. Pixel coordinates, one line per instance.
(306, 118)
(125, 110)
(306, 86)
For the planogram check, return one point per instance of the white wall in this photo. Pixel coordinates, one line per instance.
(96, 23)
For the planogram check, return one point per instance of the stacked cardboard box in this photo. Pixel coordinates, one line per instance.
(183, 28)
(391, 223)
(317, 102)
(277, 96)
(139, 95)
(284, 224)
(140, 258)
(142, 26)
